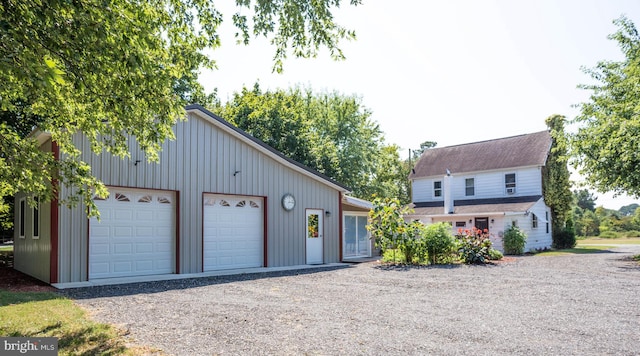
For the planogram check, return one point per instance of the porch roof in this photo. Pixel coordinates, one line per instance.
(499, 207)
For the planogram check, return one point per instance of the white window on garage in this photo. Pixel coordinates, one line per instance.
(233, 234)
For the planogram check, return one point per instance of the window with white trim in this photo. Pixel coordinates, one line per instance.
(36, 220)
(437, 188)
(510, 183)
(546, 215)
(22, 206)
(534, 220)
(469, 187)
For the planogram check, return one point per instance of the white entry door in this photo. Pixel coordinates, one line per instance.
(315, 237)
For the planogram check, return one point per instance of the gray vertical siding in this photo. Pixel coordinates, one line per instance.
(202, 159)
(32, 256)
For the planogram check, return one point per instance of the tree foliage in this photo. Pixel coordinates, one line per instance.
(555, 175)
(628, 210)
(329, 132)
(585, 199)
(415, 154)
(606, 144)
(116, 69)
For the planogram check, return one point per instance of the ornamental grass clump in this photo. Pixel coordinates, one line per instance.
(514, 241)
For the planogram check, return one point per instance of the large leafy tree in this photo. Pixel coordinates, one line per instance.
(606, 144)
(585, 199)
(556, 179)
(329, 132)
(113, 69)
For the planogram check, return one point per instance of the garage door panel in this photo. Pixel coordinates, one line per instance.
(123, 214)
(144, 231)
(122, 249)
(233, 232)
(144, 215)
(99, 249)
(122, 266)
(129, 240)
(144, 266)
(123, 231)
(162, 247)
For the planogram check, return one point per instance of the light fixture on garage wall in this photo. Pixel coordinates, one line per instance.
(470, 221)
(492, 221)
(327, 213)
(236, 173)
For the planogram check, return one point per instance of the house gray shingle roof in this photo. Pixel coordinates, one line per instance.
(509, 152)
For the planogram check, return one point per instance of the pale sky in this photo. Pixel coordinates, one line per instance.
(447, 71)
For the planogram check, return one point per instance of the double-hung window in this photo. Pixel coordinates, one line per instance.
(510, 183)
(437, 189)
(469, 187)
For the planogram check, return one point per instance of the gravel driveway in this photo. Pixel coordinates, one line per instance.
(554, 305)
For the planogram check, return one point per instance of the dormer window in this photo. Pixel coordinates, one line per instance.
(510, 183)
(437, 189)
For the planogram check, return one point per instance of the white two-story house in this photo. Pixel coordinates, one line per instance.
(488, 185)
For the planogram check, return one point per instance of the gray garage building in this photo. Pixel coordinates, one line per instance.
(218, 200)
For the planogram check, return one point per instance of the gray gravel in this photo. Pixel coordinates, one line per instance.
(555, 305)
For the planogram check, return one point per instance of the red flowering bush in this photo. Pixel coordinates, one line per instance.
(473, 245)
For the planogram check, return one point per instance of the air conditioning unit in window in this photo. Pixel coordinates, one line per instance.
(511, 190)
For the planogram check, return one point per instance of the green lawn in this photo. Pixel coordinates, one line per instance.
(6, 248)
(592, 245)
(576, 250)
(619, 241)
(31, 314)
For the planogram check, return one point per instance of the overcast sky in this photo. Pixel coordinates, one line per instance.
(447, 71)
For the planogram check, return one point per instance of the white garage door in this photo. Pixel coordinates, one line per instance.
(233, 232)
(135, 235)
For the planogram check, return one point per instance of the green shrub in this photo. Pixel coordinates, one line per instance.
(394, 256)
(609, 235)
(412, 245)
(514, 240)
(390, 231)
(632, 233)
(495, 255)
(473, 246)
(564, 239)
(439, 242)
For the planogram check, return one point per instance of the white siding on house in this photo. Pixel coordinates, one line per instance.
(203, 159)
(538, 237)
(486, 184)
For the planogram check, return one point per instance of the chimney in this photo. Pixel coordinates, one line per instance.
(448, 193)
